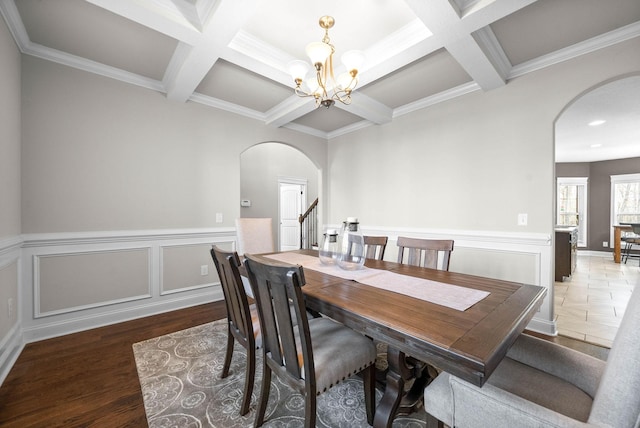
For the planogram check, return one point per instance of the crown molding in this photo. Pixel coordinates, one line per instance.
(226, 106)
(11, 16)
(608, 39)
(449, 94)
(94, 67)
(306, 130)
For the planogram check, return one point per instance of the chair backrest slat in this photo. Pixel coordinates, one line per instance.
(373, 245)
(287, 340)
(227, 264)
(425, 252)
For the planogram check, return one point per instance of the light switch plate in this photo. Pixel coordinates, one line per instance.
(522, 219)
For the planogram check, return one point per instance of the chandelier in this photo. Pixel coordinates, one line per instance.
(322, 84)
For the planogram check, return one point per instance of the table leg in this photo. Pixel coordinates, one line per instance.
(395, 399)
(616, 244)
(388, 406)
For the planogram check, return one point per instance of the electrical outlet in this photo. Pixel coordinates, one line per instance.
(10, 308)
(204, 270)
(605, 244)
(218, 217)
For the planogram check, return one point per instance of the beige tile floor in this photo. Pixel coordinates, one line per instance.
(589, 306)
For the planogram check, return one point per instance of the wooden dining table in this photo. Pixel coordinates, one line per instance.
(468, 344)
(618, 229)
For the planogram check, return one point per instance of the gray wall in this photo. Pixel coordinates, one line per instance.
(471, 163)
(103, 155)
(9, 182)
(599, 194)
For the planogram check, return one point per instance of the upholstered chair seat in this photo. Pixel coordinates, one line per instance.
(543, 384)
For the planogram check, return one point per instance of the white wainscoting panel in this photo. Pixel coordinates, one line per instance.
(142, 296)
(11, 343)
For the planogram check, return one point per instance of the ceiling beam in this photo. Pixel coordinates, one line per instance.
(190, 65)
(153, 15)
(443, 20)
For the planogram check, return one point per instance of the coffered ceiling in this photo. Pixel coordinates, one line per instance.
(232, 54)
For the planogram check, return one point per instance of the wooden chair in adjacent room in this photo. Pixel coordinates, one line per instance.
(313, 355)
(630, 241)
(242, 319)
(374, 247)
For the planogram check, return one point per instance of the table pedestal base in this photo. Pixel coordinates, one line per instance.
(395, 400)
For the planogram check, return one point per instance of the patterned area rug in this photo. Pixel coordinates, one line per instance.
(181, 386)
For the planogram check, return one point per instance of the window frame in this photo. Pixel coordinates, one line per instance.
(584, 203)
(617, 179)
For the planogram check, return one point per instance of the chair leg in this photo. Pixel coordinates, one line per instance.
(228, 354)
(248, 381)
(369, 380)
(625, 252)
(264, 395)
(310, 409)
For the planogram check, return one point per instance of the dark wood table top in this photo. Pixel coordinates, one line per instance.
(469, 344)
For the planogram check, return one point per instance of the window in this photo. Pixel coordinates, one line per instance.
(625, 199)
(572, 205)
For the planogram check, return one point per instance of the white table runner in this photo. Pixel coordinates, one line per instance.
(440, 293)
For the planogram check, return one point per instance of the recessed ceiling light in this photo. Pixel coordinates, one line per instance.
(597, 122)
(594, 146)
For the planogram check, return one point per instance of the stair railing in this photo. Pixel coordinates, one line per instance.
(309, 227)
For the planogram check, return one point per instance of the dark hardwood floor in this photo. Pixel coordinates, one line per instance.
(88, 379)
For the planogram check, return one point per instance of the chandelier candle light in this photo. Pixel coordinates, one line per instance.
(321, 83)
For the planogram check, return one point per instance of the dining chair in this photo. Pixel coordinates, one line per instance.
(375, 246)
(630, 241)
(311, 356)
(425, 252)
(254, 235)
(543, 384)
(242, 319)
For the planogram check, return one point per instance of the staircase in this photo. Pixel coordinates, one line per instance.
(309, 227)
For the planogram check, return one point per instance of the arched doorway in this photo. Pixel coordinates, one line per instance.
(596, 139)
(264, 169)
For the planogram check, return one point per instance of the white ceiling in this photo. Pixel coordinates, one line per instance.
(232, 54)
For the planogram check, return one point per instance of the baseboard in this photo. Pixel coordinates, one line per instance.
(58, 328)
(11, 347)
(542, 326)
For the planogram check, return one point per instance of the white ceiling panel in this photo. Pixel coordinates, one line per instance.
(82, 29)
(233, 54)
(425, 77)
(550, 25)
(236, 85)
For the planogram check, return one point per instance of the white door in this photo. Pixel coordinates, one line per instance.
(292, 201)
